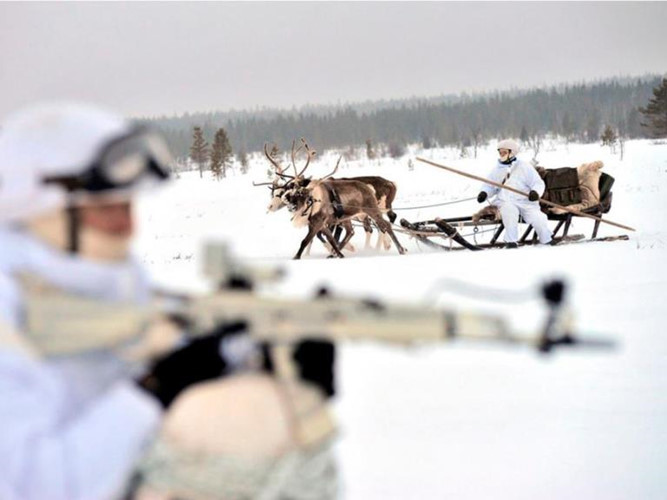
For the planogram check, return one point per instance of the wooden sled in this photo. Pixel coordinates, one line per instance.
(429, 231)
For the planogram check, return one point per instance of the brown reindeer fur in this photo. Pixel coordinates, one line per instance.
(357, 200)
(589, 178)
(385, 192)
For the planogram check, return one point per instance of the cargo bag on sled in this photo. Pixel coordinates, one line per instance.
(562, 185)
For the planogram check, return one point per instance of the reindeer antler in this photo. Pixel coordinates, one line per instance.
(334, 170)
(294, 153)
(310, 154)
(279, 169)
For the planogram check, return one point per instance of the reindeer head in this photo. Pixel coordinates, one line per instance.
(286, 188)
(277, 192)
(285, 183)
(279, 184)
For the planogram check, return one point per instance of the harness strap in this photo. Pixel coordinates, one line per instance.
(335, 199)
(309, 206)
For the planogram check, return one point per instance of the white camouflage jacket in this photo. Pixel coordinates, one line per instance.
(522, 176)
(72, 427)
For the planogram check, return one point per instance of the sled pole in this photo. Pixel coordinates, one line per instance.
(509, 188)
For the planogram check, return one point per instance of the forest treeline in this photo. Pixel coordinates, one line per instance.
(577, 112)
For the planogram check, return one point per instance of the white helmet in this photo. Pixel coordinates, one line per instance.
(513, 146)
(52, 154)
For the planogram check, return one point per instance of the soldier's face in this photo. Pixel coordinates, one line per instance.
(106, 230)
(504, 154)
(112, 219)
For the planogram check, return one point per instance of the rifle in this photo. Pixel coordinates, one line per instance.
(281, 324)
(326, 317)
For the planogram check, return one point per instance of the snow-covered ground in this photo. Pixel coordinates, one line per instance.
(473, 420)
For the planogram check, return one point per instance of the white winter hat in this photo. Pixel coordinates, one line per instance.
(513, 146)
(50, 141)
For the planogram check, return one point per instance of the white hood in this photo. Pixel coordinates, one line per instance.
(22, 253)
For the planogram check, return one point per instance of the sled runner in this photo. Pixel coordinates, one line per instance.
(583, 190)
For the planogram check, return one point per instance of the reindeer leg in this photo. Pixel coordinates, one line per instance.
(325, 243)
(337, 232)
(349, 232)
(346, 244)
(385, 227)
(383, 238)
(387, 241)
(332, 241)
(336, 229)
(383, 241)
(312, 231)
(369, 231)
(310, 245)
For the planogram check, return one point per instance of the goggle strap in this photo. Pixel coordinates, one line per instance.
(70, 183)
(72, 229)
(155, 167)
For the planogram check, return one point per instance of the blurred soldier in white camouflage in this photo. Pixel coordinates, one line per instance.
(84, 388)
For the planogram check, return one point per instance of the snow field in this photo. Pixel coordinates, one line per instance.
(469, 420)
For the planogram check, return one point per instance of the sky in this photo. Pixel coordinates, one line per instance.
(154, 58)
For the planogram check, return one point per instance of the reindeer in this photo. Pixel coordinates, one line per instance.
(384, 190)
(280, 192)
(315, 206)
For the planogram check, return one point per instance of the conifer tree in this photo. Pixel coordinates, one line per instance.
(396, 149)
(609, 137)
(476, 139)
(221, 154)
(199, 149)
(243, 160)
(216, 158)
(656, 111)
(593, 125)
(427, 142)
(534, 142)
(567, 127)
(370, 151)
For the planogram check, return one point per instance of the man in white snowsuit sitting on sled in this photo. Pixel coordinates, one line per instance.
(518, 174)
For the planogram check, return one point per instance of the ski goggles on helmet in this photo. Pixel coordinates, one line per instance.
(122, 162)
